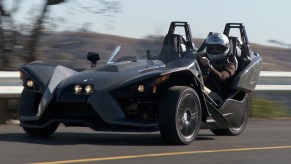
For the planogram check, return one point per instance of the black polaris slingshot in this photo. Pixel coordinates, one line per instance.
(146, 92)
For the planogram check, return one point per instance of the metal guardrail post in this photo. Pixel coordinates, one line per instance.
(4, 116)
(10, 87)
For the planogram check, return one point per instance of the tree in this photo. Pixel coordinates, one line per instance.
(37, 28)
(9, 34)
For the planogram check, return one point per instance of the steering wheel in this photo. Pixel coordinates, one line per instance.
(204, 69)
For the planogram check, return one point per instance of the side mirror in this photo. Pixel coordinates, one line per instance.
(93, 57)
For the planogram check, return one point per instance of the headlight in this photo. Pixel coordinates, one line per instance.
(78, 89)
(141, 88)
(30, 83)
(88, 89)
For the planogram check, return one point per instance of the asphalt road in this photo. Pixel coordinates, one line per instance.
(264, 141)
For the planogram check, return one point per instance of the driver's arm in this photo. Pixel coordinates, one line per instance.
(224, 74)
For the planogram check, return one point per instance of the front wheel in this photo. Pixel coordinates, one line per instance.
(41, 132)
(179, 115)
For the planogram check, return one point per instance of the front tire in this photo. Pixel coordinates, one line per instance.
(179, 115)
(41, 132)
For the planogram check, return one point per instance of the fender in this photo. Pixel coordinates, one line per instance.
(47, 77)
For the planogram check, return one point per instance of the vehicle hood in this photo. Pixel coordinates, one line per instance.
(114, 74)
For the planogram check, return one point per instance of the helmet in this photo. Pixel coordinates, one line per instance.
(217, 46)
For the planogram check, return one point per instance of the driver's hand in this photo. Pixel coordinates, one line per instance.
(204, 61)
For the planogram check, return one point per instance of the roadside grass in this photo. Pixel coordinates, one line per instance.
(267, 108)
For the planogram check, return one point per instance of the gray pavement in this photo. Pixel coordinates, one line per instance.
(264, 141)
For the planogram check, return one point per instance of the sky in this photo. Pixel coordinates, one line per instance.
(264, 19)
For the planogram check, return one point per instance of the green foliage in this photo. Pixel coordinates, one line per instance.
(266, 108)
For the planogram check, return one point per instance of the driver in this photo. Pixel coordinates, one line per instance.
(220, 63)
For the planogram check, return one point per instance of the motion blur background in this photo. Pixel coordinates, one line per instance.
(63, 31)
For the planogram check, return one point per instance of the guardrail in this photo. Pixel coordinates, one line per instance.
(272, 81)
(11, 86)
(269, 81)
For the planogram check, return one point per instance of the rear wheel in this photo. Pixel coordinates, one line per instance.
(239, 127)
(41, 132)
(179, 115)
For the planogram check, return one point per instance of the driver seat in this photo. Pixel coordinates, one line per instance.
(236, 50)
(237, 55)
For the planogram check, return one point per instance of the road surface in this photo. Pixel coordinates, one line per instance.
(263, 141)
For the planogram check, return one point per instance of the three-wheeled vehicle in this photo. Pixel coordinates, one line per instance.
(139, 90)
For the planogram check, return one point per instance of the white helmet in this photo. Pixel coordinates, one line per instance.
(217, 46)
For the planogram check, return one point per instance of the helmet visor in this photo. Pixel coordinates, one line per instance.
(216, 49)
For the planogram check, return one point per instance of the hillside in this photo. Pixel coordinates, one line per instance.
(70, 49)
(274, 58)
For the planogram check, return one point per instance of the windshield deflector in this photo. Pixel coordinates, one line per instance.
(116, 50)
